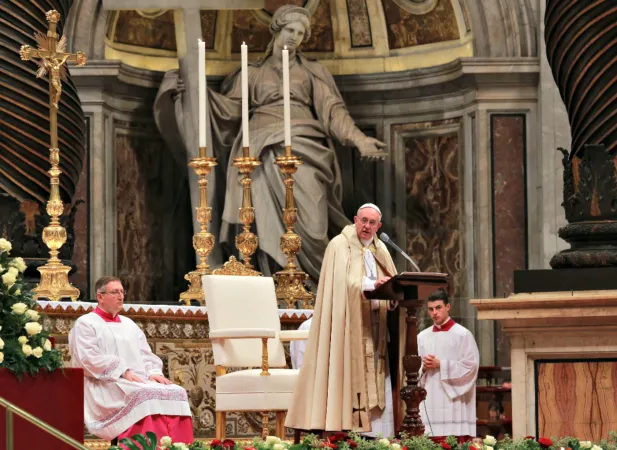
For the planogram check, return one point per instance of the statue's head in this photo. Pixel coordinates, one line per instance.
(290, 26)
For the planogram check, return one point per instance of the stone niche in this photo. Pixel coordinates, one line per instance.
(564, 361)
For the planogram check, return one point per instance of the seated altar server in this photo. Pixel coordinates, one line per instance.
(450, 362)
(125, 390)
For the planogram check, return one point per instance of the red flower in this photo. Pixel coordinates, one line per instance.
(533, 438)
(215, 443)
(250, 448)
(445, 446)
(353, 444)
(404, 448)
(228, 443)
(337, 437)
(331, 445)
(545, 442)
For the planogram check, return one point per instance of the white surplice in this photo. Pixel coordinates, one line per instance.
(105, 350)
(382, 421)
(451, 390)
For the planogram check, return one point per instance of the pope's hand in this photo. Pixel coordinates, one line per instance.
(160, 379)
(371, 148)
(129, 375)
(381, 281)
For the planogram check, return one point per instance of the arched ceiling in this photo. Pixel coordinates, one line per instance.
(348, 36)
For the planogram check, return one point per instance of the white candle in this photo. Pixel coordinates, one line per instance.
(202, 93)
(286, 107)
(245, 96)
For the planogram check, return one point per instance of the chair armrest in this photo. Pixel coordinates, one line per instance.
(243, 333)
(293, 335)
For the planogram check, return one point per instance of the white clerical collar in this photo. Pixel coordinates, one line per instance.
(366, 243)
(444, 324)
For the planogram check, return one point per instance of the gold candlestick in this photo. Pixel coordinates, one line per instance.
(51, 58)
(246, 242)
(290, 281)
(203, 242)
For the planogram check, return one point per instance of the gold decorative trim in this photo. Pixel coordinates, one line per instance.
(236, 268)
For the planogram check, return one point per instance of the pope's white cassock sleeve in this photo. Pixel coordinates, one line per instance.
(105, 350)
(297, 348)
(450, 405)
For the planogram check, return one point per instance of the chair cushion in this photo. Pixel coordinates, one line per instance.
(247, 390)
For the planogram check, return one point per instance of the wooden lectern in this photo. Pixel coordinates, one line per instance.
(411, 289)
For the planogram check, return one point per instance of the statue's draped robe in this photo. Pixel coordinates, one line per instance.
(318, 114)
(343, 371)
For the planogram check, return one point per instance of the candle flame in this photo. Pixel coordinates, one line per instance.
(284, 47)
(243, 43)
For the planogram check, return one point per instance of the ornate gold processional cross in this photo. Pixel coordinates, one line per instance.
(52, 58)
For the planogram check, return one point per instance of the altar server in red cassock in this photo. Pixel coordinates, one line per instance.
(125, 390)
(450, 361)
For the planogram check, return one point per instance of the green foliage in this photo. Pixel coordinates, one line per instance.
(353, 441)
(18, 311)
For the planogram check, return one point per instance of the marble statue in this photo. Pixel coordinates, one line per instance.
(318, 117)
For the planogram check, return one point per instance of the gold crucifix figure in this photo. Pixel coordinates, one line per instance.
(51, 57)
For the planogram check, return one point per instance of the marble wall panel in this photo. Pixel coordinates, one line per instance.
(359, 23)
(154, 218)
(407, 30)
(508, 160)
(576, 398)
(81, 228)
(433, 199)
(208, 27)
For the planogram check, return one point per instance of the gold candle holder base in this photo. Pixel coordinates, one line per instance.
(290, 281)
(203, 241)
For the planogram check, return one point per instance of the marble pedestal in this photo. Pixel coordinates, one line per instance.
(564, 361)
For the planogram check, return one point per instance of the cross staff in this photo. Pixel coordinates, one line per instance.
(52, 57)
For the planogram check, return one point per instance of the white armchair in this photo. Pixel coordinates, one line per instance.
(245, 331)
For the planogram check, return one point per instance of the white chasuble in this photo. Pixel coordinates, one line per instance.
(450, 405)
(105, 350)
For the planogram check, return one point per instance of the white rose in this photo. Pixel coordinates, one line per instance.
(1, 357)
(18, 292)
(19, 264)
(585, 444)
(278, 447)
(37, 352)
(490, 440)
(271, 440)
(180, 446)
(165, 440)
(1, 344)
(596, 447)
(9, 279)
(395, 446)
(19, 308)
(33, 328)
(13, 271)
(488, 447)
(22, 340)
(26, 349)
(32, 315)
(5, 246)
(384, 441)
(47, 347)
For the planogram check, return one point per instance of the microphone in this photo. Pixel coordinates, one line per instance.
(384, 237)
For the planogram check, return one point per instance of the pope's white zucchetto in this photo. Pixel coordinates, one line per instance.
(372, 206)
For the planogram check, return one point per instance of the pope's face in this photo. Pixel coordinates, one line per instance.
(112, 299)
(367, 223)
(291, 36)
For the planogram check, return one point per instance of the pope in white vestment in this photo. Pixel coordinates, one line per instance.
(125, 391)
(344, 381)
(449, 372)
